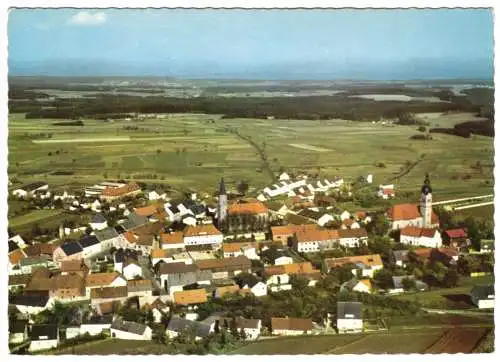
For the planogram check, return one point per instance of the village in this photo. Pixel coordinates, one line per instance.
(148, 267)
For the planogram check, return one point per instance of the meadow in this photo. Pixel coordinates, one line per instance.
(195, 150)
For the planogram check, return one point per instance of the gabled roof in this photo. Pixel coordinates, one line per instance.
(71, 248)
(147, 211)
(122, 254)
(100, 279)
(178, 324)
(30, 300)
(291, 324)
(291, 229)
(371, 260)
(408, 212)
(70, 266)
(33, 186)
(228, 264)
(39, 249)
(349, 310)
(483, 291)
(236, 247)
(193, 296)
(177, 268)
(88, 241)
(310, 234)
(121, 191)
(352, 233)
(456, 233)
(109, 292)
(143, 285)
(16, 256)
(247, 208)
(418, 232)
(68, 281)
(160, 253)
(201, 230)
(172, 238)
(130, 327)
(98, 218)
(43, 332)
(228, 289)
(105, 234)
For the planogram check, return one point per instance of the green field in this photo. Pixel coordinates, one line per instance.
(196, 150)
(436, 297)
(114, 346)
(32, 217)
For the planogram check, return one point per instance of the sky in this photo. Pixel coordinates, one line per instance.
(198, 43)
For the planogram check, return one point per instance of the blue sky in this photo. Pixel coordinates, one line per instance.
(243, 39)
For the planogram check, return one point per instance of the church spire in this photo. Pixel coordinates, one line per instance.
(426, 187)
(222, 187)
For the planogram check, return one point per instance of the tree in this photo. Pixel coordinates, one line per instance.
(408, 283)
(379, 225)
(383, 278)
(299, 282)
(242, 187)
(243, 279)
(450, 278)
(422, 129)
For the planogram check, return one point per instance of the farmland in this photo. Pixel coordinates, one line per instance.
(195, 150)
(415, 341)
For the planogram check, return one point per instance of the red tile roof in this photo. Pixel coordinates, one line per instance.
(172, 238)
(16, 256)
(408, 212)
(121, 191)
(456, 233)
(247, 208)
(204, 229)
(418, 232)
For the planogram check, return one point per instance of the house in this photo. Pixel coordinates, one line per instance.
(403, 215)
(173, 212)
(144, 238)
(291, 326)
(29, 190)
(15, 257)
(134, 221)
(356, 285)
(43, 337)
(31, 303)
(313, 240)
(398, 285)
(318, 217)
(456, 238)
(179, 325)
(226, 290)
(124, 255)
(172, 240)
(203, 234)
(68, 251)
(90, 246)
(140, 288)
(278, 277)
(276, 209)
(350, 224)
(282, 260)
(483, 296)
(114, 193)
(247, 249)
(400, 257)
(121, 329)
(40, 249)
(103, 280)
(74, 267)
(366, 264)
(345, 215)
(109, 238)
(18, 331)
(161, 255)
(189, 219)
(257, 288)
(250, 327)
(95, 328)
(131, 270)
(108, 294)
(349, 318)
(351, 238)
(225, 268)
(175, 276)
(412, 235)
(190, 297)
(156, 195)
(282, 234)
(67, 288)
(98, 222)
(18, 240)
(386, 191)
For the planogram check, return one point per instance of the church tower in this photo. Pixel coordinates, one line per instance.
(426, 203)
(222, 204)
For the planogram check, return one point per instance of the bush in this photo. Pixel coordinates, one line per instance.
(422, 129)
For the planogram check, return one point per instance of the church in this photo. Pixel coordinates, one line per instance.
(422, 216)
